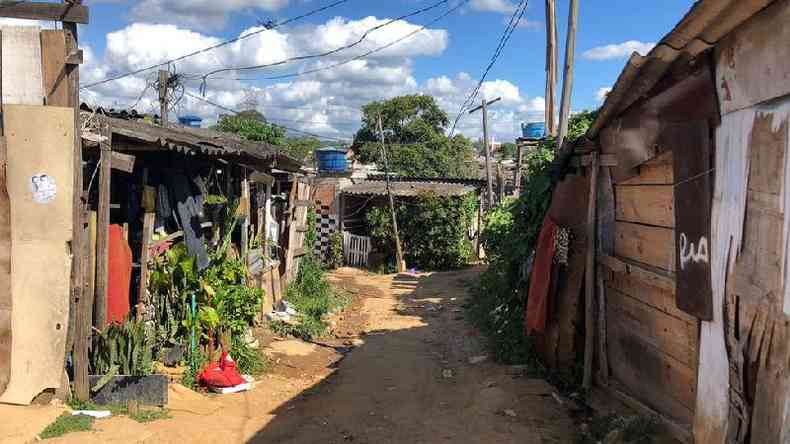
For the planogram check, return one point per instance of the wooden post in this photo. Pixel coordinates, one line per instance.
(589, 276)
(103, 226)
(164, 110)
(149, 219)
(82, 301)
(398, 250)
(245, 226)
(487, 147)
(551, 66)
(266, 211)
(517, 175)
(567, 79)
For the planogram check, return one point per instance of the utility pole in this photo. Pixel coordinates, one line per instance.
(398, 250)
(164, 77)
(567, 79)
(551, 66)
(487, 146)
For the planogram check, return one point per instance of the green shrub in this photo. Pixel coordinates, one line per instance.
(122, 349)
(434, 230)
(66, 423)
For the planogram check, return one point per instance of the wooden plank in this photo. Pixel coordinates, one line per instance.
(81, 297)
(752, 62)
(653, 246)
(693, 201)
(657, 171)
(258, 177)
(149, 219)
(604, 160)
(304, 204)
(21, 65)
(65, 12)
(53, 65)
(39, 181)
(123, 162)
(654, 378)
(681, 432)
(6, 302)
(634, 285)
(656, 278)
(670, 335)
(589, 275)
(245, 226)
(650, 205)
(103, 227)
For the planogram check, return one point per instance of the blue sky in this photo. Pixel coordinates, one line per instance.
(444, 61)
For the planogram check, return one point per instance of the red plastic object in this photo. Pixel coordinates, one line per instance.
(222, 374)
(120, 276)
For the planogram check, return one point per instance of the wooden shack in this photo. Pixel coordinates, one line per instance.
(687, 298)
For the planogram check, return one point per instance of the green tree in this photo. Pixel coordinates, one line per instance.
(301, 148)
(251, 125)
(414, 129)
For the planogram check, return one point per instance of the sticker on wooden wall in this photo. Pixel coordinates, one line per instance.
(44, 188)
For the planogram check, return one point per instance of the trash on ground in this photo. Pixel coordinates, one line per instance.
(93, 413)
(477, 359)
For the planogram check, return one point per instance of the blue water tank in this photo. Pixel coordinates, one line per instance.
(533, 130)
(190, 121)
(332, 160)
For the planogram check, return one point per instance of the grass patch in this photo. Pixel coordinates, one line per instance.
(67, 423)
(144, 416)
(249, 361)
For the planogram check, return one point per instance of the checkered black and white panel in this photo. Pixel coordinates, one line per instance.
(327, 224)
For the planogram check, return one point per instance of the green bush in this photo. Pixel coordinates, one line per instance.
(434, 230)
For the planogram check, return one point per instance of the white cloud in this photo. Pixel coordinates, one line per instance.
(328, 102)
(618, 51)
(210, 14)
(602, 93)
(501, 6)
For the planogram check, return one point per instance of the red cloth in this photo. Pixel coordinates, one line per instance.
(120, 275)
(540, 280)
(222, 374)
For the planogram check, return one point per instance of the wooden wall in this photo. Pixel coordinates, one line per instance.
(651, 345)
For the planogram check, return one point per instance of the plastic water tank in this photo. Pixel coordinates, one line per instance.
(533, 130)
(190, 121)
(332, 160)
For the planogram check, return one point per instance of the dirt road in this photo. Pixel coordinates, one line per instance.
(402, 367)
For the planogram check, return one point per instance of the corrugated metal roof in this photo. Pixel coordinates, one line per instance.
(407, 189)
(204, 141)
(705, 24)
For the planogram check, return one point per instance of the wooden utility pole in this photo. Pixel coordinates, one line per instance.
(487, 147)
(164, 76)
(551, 66)
(567, 79)
(398, 249)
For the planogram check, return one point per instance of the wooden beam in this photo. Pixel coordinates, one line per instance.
(664, 281)
(589, 275)
(148, 232)
(258, 177)
(6, 303)
(245, 226)
(103, 227)
(81, 296)
(123, 162)
(303, 203)
(58, 12)
(53, 67)
(604, 160)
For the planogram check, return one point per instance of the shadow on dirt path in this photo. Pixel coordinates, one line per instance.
(418, 375)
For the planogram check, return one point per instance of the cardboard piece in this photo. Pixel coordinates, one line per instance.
(40, 185)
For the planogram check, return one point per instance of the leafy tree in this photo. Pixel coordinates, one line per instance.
(251, 125)
(301, 148)
(414, 130)
(507, 151)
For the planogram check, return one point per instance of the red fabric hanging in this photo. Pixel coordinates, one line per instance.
(120, 275)
(540, 279)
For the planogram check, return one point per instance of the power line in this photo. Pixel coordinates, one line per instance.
(364, 55)
(333, 51)
(218, 45)
(515, 19)
(231, 110)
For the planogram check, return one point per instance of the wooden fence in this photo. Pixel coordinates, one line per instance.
(356, 249)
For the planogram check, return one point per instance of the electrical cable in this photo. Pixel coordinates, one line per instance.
(333, 51)
(361, 56)
(515, 19)
(213, 47)
(231, 110)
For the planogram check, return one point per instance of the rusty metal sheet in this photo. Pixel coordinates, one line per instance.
(693, 200)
